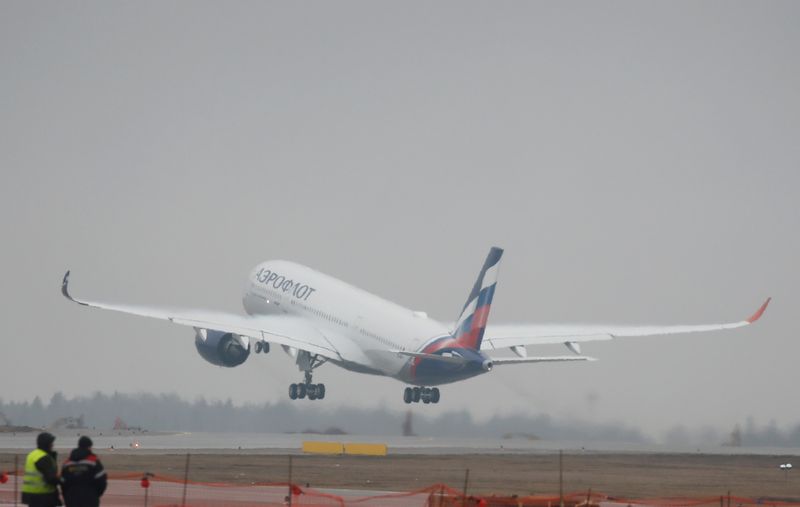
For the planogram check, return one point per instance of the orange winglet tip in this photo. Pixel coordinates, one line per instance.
(760, 312)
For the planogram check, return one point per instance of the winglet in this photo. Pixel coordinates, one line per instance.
(759, 313)
(65, 290)
(65, 286)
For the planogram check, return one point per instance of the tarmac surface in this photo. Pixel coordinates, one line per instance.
(629, 474)
(502, 466)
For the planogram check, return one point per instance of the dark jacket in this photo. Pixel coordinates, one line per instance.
(48, 466)
(83, 479)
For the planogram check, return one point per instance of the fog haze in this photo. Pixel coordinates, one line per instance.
(637, 161)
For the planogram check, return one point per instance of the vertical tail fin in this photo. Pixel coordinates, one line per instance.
(472, 322)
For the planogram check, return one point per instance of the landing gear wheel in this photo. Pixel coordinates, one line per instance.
(258, 347)
(293, 391)
(426, 395)
(311, 390)
(417, 394)
(408, 395)
(320, 391)
(435, 395)
(301, 391)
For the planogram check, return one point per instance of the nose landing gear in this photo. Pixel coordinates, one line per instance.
(424, 394)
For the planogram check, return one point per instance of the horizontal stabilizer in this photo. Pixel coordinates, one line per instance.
(499, 336)
(552, 359)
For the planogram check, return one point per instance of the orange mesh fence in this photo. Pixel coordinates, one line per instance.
(163, 491)
(711, 501)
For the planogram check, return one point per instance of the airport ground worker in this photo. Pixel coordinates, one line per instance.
(83, 478)
(40, 482)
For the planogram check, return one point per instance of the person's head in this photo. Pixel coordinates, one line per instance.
(85, 443)
(45, 441)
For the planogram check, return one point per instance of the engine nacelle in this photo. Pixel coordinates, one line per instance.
(222, 349)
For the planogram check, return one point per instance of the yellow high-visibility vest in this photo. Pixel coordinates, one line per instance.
(33, 481)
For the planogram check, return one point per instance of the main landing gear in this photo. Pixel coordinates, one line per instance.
(307, 363)
(312, 391)
(424, 394)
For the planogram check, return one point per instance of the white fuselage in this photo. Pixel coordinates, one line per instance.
(366, 326)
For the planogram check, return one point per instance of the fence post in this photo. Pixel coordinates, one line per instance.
(16, 478)
(561, 478)
(145, 483)
(290, 480)
(185, 480)
(466, 484)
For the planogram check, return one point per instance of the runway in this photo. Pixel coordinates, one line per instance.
(282, 443)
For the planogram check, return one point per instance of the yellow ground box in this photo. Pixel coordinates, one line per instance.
(313, 447)
(366, 449)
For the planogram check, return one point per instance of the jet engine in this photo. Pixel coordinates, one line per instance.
(220, 348)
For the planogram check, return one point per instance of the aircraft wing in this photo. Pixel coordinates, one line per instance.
(282, 329)
(500, 336)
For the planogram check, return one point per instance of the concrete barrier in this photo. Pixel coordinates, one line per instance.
(314, 447)
(366, 449)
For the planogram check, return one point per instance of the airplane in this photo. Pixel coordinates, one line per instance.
(316, 319)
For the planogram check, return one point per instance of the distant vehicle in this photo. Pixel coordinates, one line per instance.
(317, 319)
(69, 422)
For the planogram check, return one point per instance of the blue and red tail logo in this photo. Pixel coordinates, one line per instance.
(471, 324)
(465, 340)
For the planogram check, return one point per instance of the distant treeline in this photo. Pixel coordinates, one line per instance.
(169, 412)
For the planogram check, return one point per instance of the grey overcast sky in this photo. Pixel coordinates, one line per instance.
(637, 160)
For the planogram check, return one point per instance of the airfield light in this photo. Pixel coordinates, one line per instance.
(786, 467)
(3, 478)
